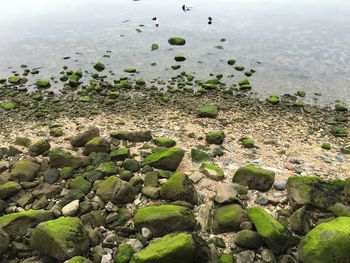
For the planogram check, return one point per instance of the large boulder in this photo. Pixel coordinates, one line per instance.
(164, 219)
(133, 136)
(254, 177)
(312, 190)
(81, 139)
(60, 159)
(277, 237)
(228, 218)
(9, 189)
(62, 238)
(116, 191)
(97, 145)
(174, 248)
(179, 188)
(25, 171)
(327, 242)
(166, 159)
(17, 224)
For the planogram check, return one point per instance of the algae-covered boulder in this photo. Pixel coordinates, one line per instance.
(60, 159)
(78, 259)
(179, 188)
(213, 171)
(166, 159)
(124, 253)
(81, 139)
(207, 111)
(254, 177)
(9, 189)
(62, 238)
(98, 145)
(177, 41)
(311, 190)
(215, 137)
(164, 219)
(273, 233)
(133, 136)
(174, 248)
(39, 147)
(327, 242)
(228, 218)
(164, 142)
(17, 224)
(116, 191)
(99, 66)
(25, 171)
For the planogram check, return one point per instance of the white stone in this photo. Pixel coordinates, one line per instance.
(71, 209)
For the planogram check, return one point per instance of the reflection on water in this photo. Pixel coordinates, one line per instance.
(300, 43)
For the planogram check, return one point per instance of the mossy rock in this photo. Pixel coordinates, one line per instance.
(130, 70)
(199, 156)
(339, 131)
(311, 190)
(59, 159)
(239, 68)
(166, 98)
(17, 224)
(97, 145)
(124, 253)
(166, 159)
(131, 165)
(327, 242)
(85, 99)
(25, 171)
(56, 132)
(99, 66)
(9, 189)
(15, 80)
(107, 168)
(177, 41)
(174, 248)
(164, 219)
(248, 239)
(74, 80)
(231, 62)
(228, 218)
(215, 137)
(7, 105)
(254, 177)
(43, 83)
(62, 238)
(341, 107)
(140, 82)
(115, 190)
(81, 139)
(226, 258)
(154, 47)
(81, 184)
(274, 99)
(248, 143)
(39, 147)
(301, 93)
(4, 242)
(164, 142)
(326, 146)
(78, 259)
(179, 188)
(213, 171)
(176, 67)
(208, 111)
(179, 58)
(132, 136)
(274, 234)
(345, 150)
(120, 154)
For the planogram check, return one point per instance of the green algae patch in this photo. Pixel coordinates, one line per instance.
(8, 105)
(124, 253)
(167, 159)
(164, 142)
(274, 234)
(327, 242)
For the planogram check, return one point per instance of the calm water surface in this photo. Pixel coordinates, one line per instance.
(301, 44)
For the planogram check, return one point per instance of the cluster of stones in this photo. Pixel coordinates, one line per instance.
(59, 206)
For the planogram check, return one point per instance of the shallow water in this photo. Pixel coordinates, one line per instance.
(301, 44)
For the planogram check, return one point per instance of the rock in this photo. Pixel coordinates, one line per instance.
(146, 233)
(25, 171)
(225, 193)
(71, 209)
(124, 253)
(226, 258)
(81, 139)
(179, 58)
(164, 219)
(254, 177)
(97, 145)
(345, 150)
(215, 137)
(268, 256)
(131, 165)
(80, 183)
(213, 171)
(276, 236)
(280, 186)
(61, 159)
(327, 242)
(115, 190)
(248, 239)
(133, 136)
(107, 168)
(309, 190)
(299, 221)
(50, 175)
(23, 141)
(199, 156)
(151, 192)
(167, 159)
(340, 210)
(43, 83)
(164, 142)
(39, 147)
(274, 99)
(248, 143)
(17, 224)
(177, 41)
(154, 47)
(228, 218)
(341, 107)
(47, 190)
(179, 187)
(99, 66)
(9, 189)
(261, 199)
(120, 154)
(62, 238)
(245, 257)
(174, 248)
(78, 259)
(4, 242)
(208, 111)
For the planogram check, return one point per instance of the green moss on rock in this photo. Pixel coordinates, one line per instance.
(215, 137)
(25, 171)
(124, 253)
(213, 171)
(177, 41)
(208, 111)
(228, 218)
(43, 83)
(7, 105)
(164, 142)
(9, 189)
(99, 66)
(115, 190)
(167, 159)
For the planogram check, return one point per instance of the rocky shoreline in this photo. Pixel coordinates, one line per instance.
(148, 172)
